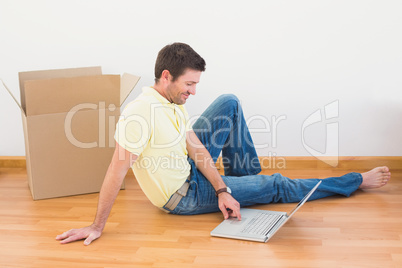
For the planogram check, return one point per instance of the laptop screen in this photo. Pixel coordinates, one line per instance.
(304, 199)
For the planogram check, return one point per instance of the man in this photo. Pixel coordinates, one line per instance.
(174, 164)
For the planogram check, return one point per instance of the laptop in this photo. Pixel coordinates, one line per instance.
(257, 225)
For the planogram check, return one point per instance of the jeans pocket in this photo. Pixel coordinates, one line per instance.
(188, 204)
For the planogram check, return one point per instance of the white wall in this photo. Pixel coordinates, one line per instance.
(283, 59)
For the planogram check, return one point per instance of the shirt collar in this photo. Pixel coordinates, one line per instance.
(150, 91)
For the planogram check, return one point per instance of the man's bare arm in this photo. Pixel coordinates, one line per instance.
(206, 165)
(121, 162)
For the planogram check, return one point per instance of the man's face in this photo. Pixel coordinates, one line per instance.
(178, 91)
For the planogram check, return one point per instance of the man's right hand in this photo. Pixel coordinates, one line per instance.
(89, 233)
(111, 185)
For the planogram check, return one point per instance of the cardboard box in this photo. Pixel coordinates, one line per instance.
(69, 119)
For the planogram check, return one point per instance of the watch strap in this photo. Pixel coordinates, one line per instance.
(222, 190)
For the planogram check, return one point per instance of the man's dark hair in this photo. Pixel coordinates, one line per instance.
(176, 58)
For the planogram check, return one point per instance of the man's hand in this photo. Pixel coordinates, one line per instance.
(121, 162)
(229, 206)
(89, 233)
(204, 162)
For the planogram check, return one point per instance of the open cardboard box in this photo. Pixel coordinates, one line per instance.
(69, 119)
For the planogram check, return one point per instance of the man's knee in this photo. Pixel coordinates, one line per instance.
(228, 101)
(228, 97)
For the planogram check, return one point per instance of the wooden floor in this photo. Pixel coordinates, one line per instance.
(364, 230)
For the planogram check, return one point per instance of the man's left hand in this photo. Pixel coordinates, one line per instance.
(229, 206)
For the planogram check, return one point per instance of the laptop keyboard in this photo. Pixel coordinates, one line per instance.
(261, 224)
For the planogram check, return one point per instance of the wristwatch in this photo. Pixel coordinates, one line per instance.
(223, 190)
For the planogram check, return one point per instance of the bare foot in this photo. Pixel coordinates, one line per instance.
(375, 178)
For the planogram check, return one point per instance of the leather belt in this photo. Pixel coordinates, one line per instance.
(176, 197)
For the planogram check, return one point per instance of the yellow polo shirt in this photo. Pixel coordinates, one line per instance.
(155, 130)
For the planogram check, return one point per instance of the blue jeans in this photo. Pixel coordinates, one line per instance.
(222, 128)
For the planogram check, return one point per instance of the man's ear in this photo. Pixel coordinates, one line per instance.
(165, 76)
